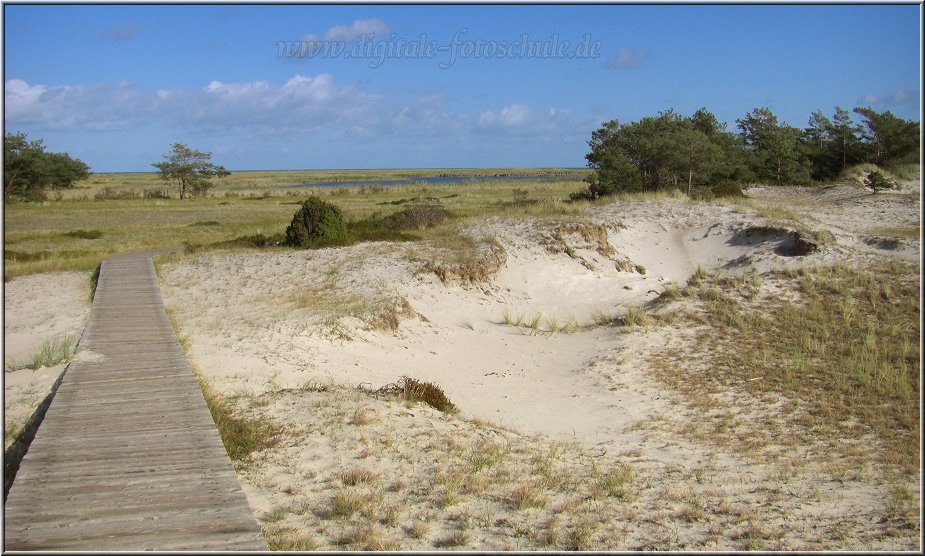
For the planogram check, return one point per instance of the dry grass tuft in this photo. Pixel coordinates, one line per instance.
(527, 496)
(358, 476)
(347, 503)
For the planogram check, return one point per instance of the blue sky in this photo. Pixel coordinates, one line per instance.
(115, 85)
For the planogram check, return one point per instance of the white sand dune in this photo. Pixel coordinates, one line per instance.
(265, 325)
(288, 335)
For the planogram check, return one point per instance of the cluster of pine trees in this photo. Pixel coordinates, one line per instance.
(672, 151)
(28, 168)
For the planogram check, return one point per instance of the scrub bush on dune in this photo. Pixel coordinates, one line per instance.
(316, 223)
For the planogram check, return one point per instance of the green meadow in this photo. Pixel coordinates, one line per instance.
(75, 229)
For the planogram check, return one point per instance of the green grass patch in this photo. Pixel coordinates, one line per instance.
(129, 220)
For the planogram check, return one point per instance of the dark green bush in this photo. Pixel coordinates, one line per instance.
(317, 223)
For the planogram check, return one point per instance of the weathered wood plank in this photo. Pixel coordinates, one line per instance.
(128, 457)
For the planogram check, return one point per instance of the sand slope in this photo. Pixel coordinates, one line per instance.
(285, 332)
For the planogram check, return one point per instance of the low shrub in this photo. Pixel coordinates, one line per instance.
(431, 394)
(877, 181)
(157, 193)
(317, 223)
(727, 190)
(416, 217)
(110, 193)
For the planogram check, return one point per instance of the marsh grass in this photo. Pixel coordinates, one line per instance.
(636, 316)
(366, 536)
(250, 205)
(53, 352)
(527, 496)
(84, 234)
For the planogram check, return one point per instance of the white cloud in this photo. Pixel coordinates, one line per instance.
(897, 98)
(93, 107)
(627, 58)
(302, 102)
(426, 115)
(510, 116)
(355, 30)
(351, 32)
(522, 119)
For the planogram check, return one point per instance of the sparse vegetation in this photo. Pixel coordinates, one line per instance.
(51, 352)
(241, 435)
(407, 477)
(845, 351)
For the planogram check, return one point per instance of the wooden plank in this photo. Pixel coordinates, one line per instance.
(128, 457)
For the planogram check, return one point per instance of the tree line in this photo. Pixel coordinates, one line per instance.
(29, 170)
(673, 151)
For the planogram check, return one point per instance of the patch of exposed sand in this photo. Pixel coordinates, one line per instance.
(37, 309)
(282, 330)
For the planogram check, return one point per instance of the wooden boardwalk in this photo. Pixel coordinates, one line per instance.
(128, 457)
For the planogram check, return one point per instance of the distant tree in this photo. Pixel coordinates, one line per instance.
(845, 138)
(28, 169)
(817, 142)
(192, 170)
(889, 139)
(774, 149)
(661, 151)
(730, 165)
(613, 171)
